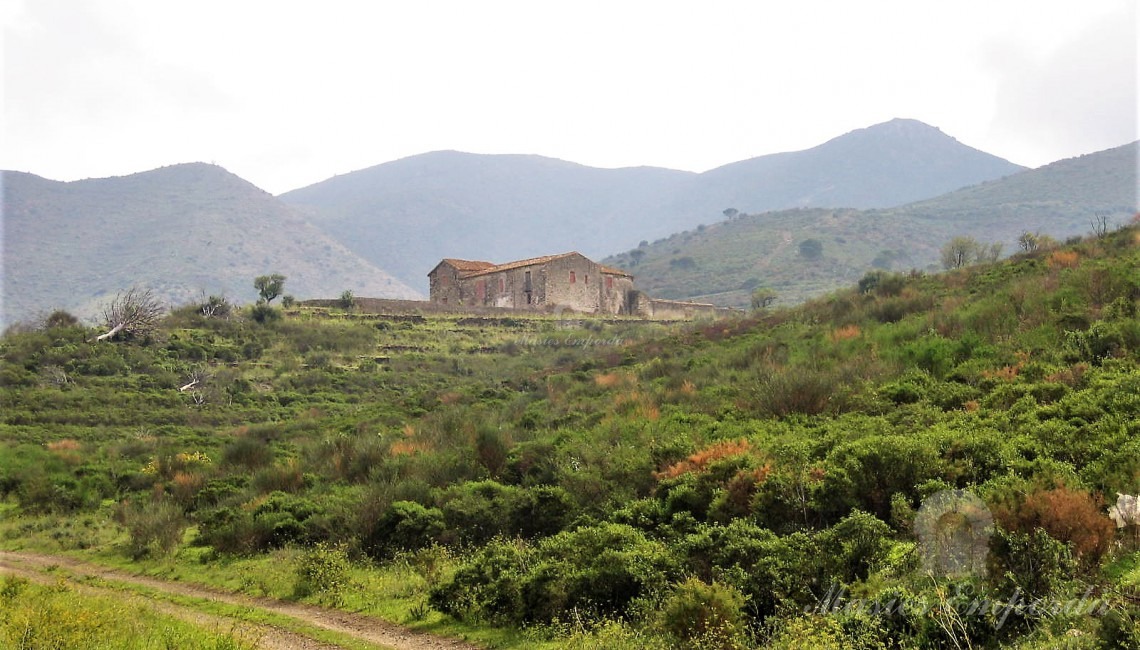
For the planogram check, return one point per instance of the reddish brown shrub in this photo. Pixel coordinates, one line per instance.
(1071, 516)
(703, 458)
(1063, 259)
(1071, 376)
(845, 333)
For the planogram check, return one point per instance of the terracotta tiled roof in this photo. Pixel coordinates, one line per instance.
(518, 265)
(612, 271)
(468, 265)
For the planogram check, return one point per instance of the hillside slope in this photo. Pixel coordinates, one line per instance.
(722, 262)
(408, 214)
(182, 230)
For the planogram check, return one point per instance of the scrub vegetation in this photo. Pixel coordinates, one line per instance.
(532, 482)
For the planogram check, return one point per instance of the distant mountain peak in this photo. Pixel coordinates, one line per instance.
(890, 163)
(899, 128)
(900, 123)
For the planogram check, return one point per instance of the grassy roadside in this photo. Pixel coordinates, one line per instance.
(34, 615)
(216, 608)
(394, 592)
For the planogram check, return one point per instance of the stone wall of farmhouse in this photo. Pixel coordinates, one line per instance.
(615, 291)
(573, 282)
(444, 286)
(521, 288)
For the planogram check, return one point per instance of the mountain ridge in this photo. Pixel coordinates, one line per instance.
(509, 206)
(181, 230)
(377, 231)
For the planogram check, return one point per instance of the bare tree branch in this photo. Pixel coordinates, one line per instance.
(134, 313)
(195, 378)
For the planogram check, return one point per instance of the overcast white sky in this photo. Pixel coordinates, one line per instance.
(288, 93)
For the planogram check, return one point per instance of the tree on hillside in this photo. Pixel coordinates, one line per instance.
(990, 253)
(811, 249)
(215, 307)
(730, 213)
(1028, 241)
(635, 256)
(133, 313)
(59, 318)
(1100, 225)
(269, 286)
(763, 297)
(959, 252)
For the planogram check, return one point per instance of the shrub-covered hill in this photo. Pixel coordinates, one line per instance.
(804, 253)
(696, 486)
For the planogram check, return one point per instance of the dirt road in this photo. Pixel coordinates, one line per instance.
(365, 628)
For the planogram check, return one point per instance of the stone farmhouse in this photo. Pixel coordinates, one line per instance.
(570, 281)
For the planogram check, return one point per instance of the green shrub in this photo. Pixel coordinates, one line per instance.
(277, 520)
(264, 313)
(404, 526)
(247, 452)
(812, 632)
(705, 616)
(597, 571)
(865, 474)
(1032, 564)
(155, 526)
(323, 571)
(855, 546)
(882, 283)
(477, 511)
(791, 390)
(1120, 628)
(774, 573)
(487, 587)
(1100, 341)
(934, 354)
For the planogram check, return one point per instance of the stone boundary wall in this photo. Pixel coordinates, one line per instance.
(648, 308)
(660, 309)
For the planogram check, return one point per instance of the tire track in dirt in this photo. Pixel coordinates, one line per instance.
(358, 626)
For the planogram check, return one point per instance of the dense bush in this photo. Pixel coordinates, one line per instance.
(596, 570)
(267, 523)
(404, 526)
(705, 616)
(323, 571)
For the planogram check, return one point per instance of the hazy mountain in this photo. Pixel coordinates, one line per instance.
(880, 166)
(183, 231)
(415, 211)
(722, 262)
(408, 214)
